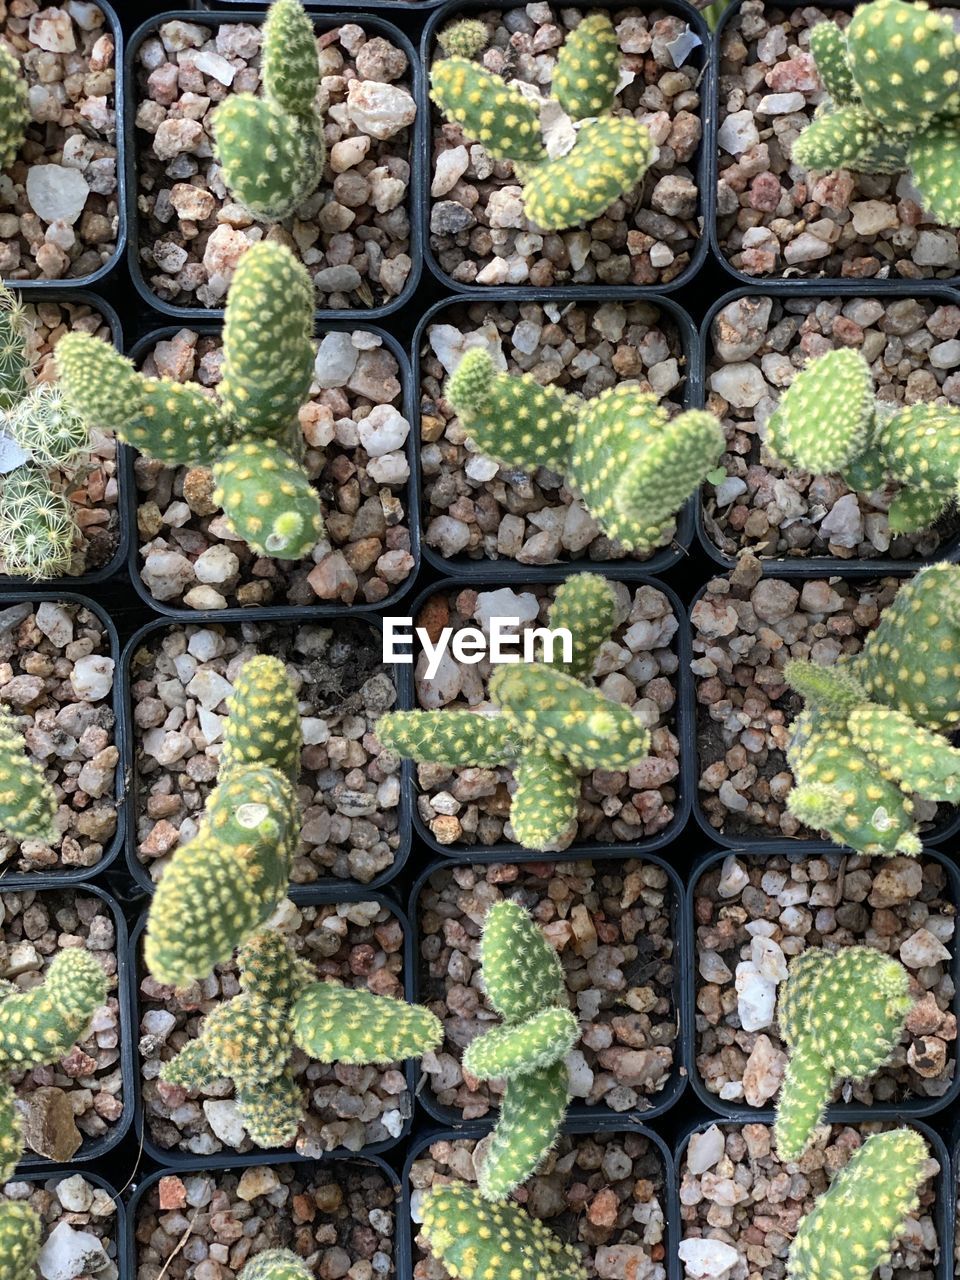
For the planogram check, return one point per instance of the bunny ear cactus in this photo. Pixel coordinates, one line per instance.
(271, 149)
(587, 72)
(501, 119)
(28, 804)
(276, 1264)
(20, 1230)
(853, 1227)
(841, 1016)
(824, 419)
(14, 111)
(40, 1025)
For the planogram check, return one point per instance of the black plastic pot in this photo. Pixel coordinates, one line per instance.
(596, 1116)
(670, 1199)
(786, 284)
(684, 728)
(840, 1112)
(701, 164)
(130, 1268)
(321, 609)
(53, 288)
(56, 291)
(231, 1159)
(507, 571)
(59, 1172)
(324, 20)
(401, 678)
(406, 10)
(59, 879)
(947, 824)
(942, 1213)
(94, 1148)
(776, 566)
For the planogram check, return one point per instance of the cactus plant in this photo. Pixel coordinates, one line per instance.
(550, 725)
(632, 464)
(464, 38)
(852, 1228)
(251, 436)
(28, 804)
(841, 1016)
(894, 84)
(611, 153)
(271, 149)
(14, 112)
(475, 1240)
(19, 1241)
(276, 1264)
(871, 734)
(14, 360)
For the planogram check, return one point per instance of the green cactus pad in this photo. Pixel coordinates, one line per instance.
(37, 526)
(40, 1025)
(914, 509)
(272, 1110)
(531, 1114)
(835, 140)
(20, 1230)
(449, 737)
(192, 1068)
(587, 70)
(492, 112)
(14, 112)
(521, 971)
(272, 160)
(476, 1240)
(101, 384)
(290, 68)
(906, 753)
(829, 48)
(276, 1264)
(804, 1092)
(543, 810)
(586, 605)
(46, 425)
(921, 446)
(268, 499)
(519, 1048)
(177, 423)
(14, 361)
(934, 161)
(607, 161)
(352, 1025)
(834, 688)
(464, 39)
(824, 419)
(247, 1039)
(852, 1228)
(263, 720)
(28, 803)
(11, 1133)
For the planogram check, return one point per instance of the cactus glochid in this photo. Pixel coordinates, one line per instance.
(841, 1016)
(633, 465)
(271, 149)
(611, 153)
(872, 732)
(550, 725)
(853, 1227)
(28, 804)
(14, 112)
(893, 77)
(251, 436)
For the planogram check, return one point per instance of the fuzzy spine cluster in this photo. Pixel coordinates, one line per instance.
(250, 435)
(28, 803)
(853, 1227)
(841, 1016)
(14, 112)
(894, 83)
(633, 465)
(829, 420)
(611, 152)
(551, 723)
(872, 733)
(271, 148)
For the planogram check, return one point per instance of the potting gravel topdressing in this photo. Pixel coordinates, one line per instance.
(479, 640)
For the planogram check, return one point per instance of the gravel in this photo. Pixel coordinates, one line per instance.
(71, 1206)
(358, 942)
(610, 923)
(356, 445)
(758, 346)
(474, 506)
(471, 806)
(478, 230)
(353, 233)
(349, 792)
(780, 907)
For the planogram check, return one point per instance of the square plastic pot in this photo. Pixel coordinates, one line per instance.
(838, 1112)
(331, 885)
(59, 1173)
(509, 571)
(324, 20)
(321, 609)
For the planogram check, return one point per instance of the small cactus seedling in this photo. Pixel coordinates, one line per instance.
(251, 437)
(14, 112)
(524, 982)
(282, 1007)
(872, 731)
(633, 465)
(550, 724)
(225, 882)
(28, 805)
(276, 1264)
(853, 1227)
(611, 153)
(476, 1240)
(894, 83)
(14, 360)
(271, 149)
(841, 1016)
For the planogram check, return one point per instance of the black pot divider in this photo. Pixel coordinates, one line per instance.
(838, 1112)
(507, 571)
(943, 1212)
(684, 728)
(705, 170)
(63, 291)
(403, 12)
(58, 1173)
(784, 566)
(321, 609)
(611, 1124)
(179, 1160)
(401, 679)
(598, 1115)
(324, 20)
(95, 1148)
